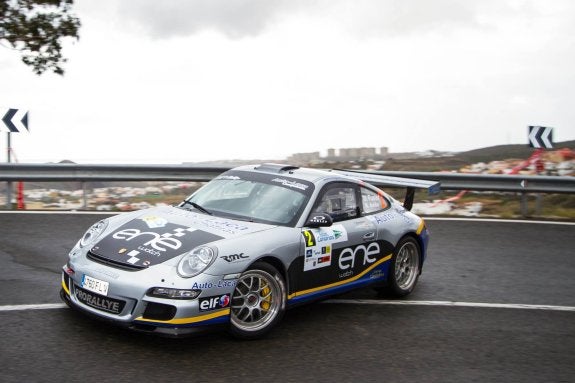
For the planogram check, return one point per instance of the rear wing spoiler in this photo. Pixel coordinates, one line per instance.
(432, 187)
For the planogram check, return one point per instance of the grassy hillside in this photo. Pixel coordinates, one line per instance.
(458, 160)
(502, 152)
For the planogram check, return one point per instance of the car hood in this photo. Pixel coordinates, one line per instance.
(159, 234)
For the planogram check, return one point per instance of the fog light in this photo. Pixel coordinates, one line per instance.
(164, 292)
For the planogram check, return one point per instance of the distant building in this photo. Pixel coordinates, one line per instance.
(342, 154)
(304, 158)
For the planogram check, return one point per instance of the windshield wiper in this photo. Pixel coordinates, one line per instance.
(199, 207)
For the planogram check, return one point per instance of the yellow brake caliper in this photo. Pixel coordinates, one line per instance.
(266, 301)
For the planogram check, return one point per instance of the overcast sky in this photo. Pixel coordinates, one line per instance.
(176, 81)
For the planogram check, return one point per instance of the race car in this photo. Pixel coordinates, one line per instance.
(246, 246)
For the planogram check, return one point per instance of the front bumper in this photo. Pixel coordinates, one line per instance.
(127, 305)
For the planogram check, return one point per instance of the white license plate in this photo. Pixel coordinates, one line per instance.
(95, 285)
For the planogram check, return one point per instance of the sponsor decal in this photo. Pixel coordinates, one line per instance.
(318, 245)
(319, 219)
(225, 283)
(316, 257)
(379, 219)
(367, 254)
(403, 214)
(214, 303)
(136, 244)
(154, 222)
(376, 274)
(215, 223)
(157, 241)
(234, 257)
(223, 225)
(290, 184)
(346, 274)
(149, 251)
(233, 178)
(331, 235)
(400, 210)
(102, 303)
(182, 213)
(133, 259)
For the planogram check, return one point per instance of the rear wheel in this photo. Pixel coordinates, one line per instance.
(258, 301)
(404, 269)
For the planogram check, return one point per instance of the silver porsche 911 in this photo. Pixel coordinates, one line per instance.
(249, 244)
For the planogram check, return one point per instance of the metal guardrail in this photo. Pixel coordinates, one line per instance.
(87, 173)
(493, 182)
(449, 181)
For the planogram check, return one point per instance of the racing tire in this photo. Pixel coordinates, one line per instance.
(258, 302)
(404, 269)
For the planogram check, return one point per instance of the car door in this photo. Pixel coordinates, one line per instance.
(337, 255)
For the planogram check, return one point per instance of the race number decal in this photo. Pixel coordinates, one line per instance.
(309, 238)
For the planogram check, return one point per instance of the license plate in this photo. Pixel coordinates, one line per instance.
(95, 285)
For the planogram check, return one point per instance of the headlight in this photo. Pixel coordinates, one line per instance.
(196, 261)
(93, 233)
(164, 292)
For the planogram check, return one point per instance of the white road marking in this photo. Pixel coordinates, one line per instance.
(46, 306)
(429, 218)
(49, 306)
(451, 304)
(58, 212)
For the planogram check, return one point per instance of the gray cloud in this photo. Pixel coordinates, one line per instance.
(234, 18)
(243, 18)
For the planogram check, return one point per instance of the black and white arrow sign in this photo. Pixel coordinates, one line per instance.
(541, 137)
(13, 120)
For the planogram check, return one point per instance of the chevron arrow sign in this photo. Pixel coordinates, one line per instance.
(13, 120)
(541, 137)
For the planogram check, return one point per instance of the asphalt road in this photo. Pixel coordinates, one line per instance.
(476, 262)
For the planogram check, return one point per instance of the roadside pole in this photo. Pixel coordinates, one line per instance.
(540, 138)
(9, 184)
(12, 121)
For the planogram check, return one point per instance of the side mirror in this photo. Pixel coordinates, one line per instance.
(319, 220)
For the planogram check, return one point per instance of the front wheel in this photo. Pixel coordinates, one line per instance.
(258, 301)
(404, 268)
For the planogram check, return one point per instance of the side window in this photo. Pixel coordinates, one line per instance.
(339, 201)
(372, 202)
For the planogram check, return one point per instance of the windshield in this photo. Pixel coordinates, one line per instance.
(253, 197)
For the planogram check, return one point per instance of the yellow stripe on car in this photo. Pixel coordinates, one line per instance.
(65, 287)
(200, 318)
(421, 227)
